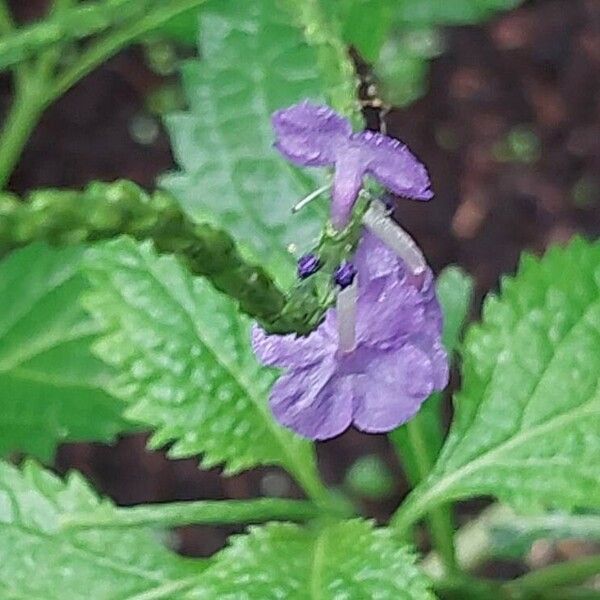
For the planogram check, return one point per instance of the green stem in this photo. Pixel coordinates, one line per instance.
(439, 519)
(6, 20)
(472, 542)
(66, 23)
(555, 576)
(20, 122)
(464, 587)
(103, 49)
(35, 93)
(202, 512)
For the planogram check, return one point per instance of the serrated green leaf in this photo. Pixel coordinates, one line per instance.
(527, 421)
(39, 558)
(349, 559)
(185, 362)
(255, 60)
(51, 386)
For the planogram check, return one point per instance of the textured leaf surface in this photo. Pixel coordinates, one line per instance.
(254, 62)
(349, 560)
(185, 363)
(51, 386)
(39, 558)
(527, 421)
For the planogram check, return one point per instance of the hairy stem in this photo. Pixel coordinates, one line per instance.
(202, 512)
(439, 519)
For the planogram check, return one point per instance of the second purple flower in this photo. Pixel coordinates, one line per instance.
(397, 362)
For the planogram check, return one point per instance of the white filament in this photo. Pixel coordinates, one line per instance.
(307, 199)
(346, 317)
(390, 233)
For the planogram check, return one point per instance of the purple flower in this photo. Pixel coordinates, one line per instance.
(344, 275)
(308, 265)
(398, 360)
(316, 136)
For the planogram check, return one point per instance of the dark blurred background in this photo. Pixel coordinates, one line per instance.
(510, 131)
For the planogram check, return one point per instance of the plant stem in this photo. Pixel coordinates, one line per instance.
(464, 587)
(116, 40)
(439, 519)
(6, 20)
(414, 506)
(215, 512)
(554, 576)
(20, 122)
(472, 542)
(36, 91)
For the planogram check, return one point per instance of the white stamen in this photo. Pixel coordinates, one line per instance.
(390, 233)
(346, 317)
(307, 199)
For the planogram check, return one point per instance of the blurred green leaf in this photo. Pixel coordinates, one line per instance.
(52, 389)
(182, 28)
(365, 23)
(39, 558)
(403, 64)
(399, 37)
(454, 288)
(349, 559)
(370, 477)
(418, 13)
(186, 367)
(255, 60)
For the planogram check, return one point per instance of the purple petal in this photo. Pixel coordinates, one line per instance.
(432, 346)
(347, 181)
(313, 402)
(390, 307)
(310, 135)
(292, 351)
(393, 165)
(374, 259)
(393, 388)
(386, 321)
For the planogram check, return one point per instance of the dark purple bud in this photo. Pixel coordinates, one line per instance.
(389, 201)
(307, 265)
(344, 275)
